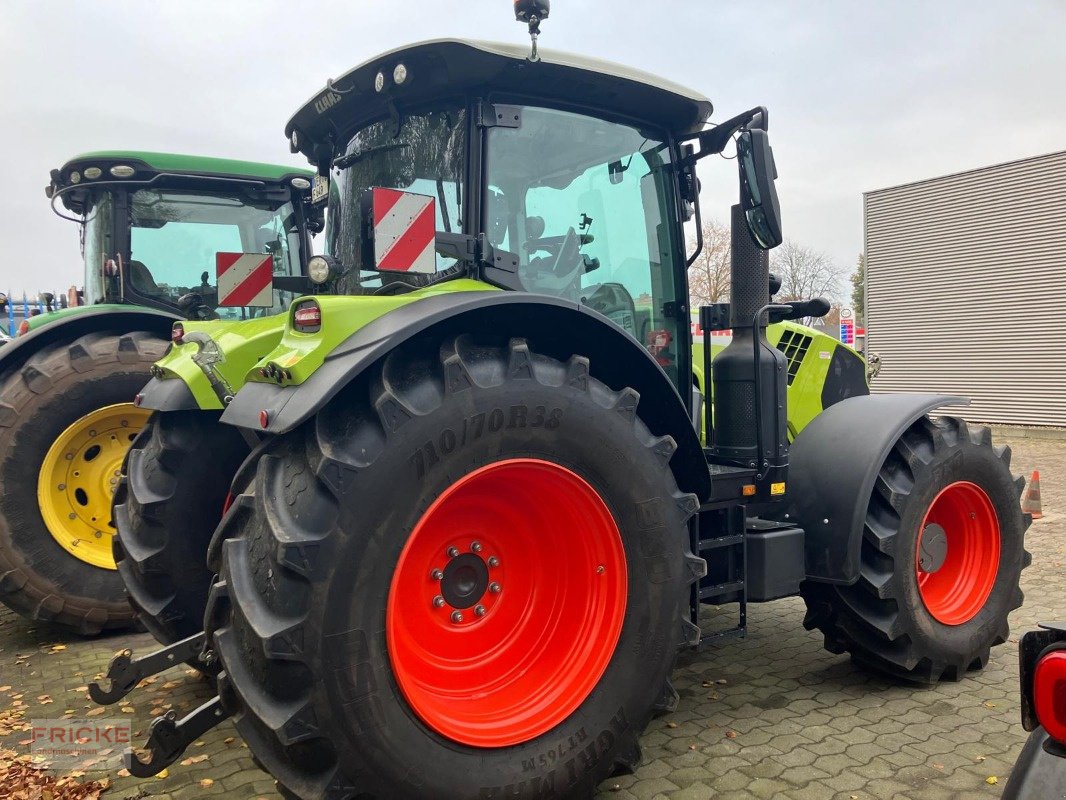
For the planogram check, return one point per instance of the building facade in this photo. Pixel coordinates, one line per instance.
(966, 289)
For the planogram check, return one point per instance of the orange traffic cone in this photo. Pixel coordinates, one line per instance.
(1031, 498)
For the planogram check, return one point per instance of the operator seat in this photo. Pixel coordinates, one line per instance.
(142, 278)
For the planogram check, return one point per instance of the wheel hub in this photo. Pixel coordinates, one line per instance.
(464, 581)
(932, 548)
(79, 475)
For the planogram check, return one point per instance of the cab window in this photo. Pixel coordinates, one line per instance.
(586, 205)
(175, 236)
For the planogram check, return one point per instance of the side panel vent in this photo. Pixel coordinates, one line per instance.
(794, 345)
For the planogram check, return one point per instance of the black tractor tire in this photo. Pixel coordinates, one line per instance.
(166, 508)
(308, 552)
(882, 620)
(52, 390)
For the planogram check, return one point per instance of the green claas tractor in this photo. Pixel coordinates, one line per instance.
(479, 522)
(153, 228)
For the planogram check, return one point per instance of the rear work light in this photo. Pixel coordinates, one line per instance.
(177, 333)
(307, 317)
(1049, 694)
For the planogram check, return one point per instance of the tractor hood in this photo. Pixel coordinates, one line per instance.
(215, 359)
(454, 67)
(212, 358)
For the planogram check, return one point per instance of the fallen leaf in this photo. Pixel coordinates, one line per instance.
(194, 760)
(671, 724)
(731, 734)
(938, 766)
(991, 780)
(123, 773)
(129, 710)
(58, 648)
(95, 712)
(229, 740)
(163, 773)
(5, 688)
(206, 783)
(692, 747)
(980, 758)
(722, 681)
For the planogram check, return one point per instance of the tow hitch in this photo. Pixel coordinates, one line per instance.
(125, 672)
(168, 739)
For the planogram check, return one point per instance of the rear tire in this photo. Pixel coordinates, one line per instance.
(167, 506)
(890, 620)
(311, 549)
(52, 391)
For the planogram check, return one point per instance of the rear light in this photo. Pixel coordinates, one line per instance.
(307, 317)
(177, 333)
(1049, 694)
(24, 328)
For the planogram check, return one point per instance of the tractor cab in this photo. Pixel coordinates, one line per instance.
(163, 231)
(558, 177)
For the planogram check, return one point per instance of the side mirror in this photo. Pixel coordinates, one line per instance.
(758, 195)
(399, 231)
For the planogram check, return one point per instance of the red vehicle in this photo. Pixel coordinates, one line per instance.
(1040, 772)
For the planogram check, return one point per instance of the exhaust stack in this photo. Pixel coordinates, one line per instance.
(750, 378)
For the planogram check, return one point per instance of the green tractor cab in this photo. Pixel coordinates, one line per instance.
(156, 231)
(480, 521)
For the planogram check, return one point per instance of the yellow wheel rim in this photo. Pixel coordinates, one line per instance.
(79, 476)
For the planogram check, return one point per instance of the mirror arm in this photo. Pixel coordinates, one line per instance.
(714, 140)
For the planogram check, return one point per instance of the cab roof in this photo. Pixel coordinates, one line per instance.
(149, 165)
(449, 67)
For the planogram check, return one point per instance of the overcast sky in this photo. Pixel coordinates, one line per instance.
(861, 95)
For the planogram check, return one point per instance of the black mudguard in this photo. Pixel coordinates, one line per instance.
(1039, 773)
(138, 318)
(172, 394)
(553, 326)
(832, 468)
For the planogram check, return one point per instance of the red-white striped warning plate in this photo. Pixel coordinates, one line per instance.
(404, 231)
(245, 279)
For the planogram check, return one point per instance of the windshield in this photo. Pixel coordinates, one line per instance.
(586, 204)
(175, 236)
(424, 155)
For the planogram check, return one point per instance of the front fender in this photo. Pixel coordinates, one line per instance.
(552, 325)
(833, 464)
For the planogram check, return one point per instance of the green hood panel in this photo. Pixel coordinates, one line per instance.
(64, 314)
(217, 358)
(214, 356)
(300, 354)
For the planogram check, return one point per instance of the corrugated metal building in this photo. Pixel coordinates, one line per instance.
(966, 289)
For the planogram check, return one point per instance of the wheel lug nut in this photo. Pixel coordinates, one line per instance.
(495, 587)
(438, 601)
(436, 575)
(475, 547)
(457, 617)
(600, 569)
(453, 552)
(479, 610)
(493, 561)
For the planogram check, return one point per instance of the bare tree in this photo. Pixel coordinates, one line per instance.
(708, 277)
(805, 273)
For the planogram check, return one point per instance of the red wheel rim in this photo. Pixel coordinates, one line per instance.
(959, 586)
(552, 595)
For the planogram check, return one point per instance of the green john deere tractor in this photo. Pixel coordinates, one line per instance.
(151, 226)
(480, 522)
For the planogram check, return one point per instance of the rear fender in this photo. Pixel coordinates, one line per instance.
(833, 465)
(553, 326)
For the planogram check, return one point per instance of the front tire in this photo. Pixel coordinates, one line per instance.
(343, 653)
(941, 558)
(66, 421)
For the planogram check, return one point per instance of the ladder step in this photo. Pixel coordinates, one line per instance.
(719, 589)
(721, 541)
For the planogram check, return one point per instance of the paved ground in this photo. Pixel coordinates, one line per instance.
(772, 716)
